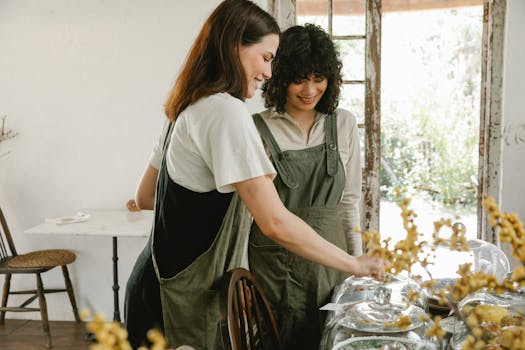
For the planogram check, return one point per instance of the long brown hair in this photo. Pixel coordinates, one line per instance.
(213, 63)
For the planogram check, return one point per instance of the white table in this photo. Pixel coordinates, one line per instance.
(111, 222)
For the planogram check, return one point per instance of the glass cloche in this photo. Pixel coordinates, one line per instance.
(482, 255)
(500, 318)
(357, 289)
(379, 324)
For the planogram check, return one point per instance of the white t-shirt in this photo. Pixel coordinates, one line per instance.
(214, 144)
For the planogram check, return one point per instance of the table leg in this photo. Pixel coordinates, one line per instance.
(116, 313)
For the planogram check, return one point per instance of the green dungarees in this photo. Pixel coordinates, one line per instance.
(310, 183)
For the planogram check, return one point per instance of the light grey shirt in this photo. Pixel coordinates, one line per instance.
(289, 136)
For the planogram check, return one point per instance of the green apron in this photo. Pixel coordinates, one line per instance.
(190, 295)
(190, 299)
(310, 183)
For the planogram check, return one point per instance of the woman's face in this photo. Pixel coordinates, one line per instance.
(305, 94)
(256, 61)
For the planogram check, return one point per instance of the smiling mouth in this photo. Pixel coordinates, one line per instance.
(306, 99)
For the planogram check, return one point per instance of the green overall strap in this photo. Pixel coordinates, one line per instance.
(277, 155)
(296, 287)
(332, 152)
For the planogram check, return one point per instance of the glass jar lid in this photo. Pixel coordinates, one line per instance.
(356, 289)
(382, 316)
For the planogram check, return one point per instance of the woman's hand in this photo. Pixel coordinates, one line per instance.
(370, 266)
(132, 205)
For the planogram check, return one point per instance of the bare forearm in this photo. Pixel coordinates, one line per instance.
(145, 195)
(145, 203)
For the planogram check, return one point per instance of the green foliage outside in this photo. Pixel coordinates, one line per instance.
(430, 100)
(430, 117)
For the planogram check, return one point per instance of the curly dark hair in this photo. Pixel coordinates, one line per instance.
(304, 50)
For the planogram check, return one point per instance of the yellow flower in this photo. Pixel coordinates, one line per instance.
(111, 336)
(436, 330)
(403, 322)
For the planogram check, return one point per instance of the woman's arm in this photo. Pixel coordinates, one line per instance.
(145, 195)
(280, 225)
(349, 206)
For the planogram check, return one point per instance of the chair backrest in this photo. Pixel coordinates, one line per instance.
(5, 239)
(248, 321)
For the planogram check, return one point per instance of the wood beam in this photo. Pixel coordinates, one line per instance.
(353, 7)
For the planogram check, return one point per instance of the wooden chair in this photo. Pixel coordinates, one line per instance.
(248, 321)
(36, 262)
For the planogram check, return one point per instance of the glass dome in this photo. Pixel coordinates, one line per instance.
(357, 289)
(497, 313)
(379, 324)
(483, 256)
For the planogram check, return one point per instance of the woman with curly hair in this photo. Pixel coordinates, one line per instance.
(315, 148)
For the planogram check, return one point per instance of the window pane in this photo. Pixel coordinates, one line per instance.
(312, 11)
(431, 73)
(349, 17)
(352, 53)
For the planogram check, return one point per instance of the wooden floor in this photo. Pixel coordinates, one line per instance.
(29, 335)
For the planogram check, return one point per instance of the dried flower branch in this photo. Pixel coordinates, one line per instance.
(409, 251)
(112, 336)
(6, 134)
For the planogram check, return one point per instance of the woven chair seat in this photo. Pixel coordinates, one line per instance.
(43, 258)
(35, 263)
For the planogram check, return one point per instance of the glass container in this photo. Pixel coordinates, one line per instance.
(379, 324)
(483, 256)
(357, 289)
(497, 313)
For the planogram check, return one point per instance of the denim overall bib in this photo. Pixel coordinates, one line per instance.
(310, 183)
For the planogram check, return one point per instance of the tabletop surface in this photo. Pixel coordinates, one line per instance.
(102, 222)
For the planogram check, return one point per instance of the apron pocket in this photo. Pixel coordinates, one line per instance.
(268, 265)
(198, 327)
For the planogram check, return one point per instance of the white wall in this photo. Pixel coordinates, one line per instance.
(83, 83)
(513, 190)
